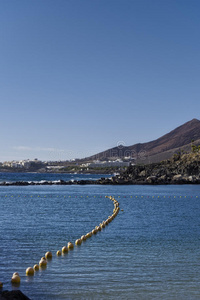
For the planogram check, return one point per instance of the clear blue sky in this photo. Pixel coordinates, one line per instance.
(77, 77)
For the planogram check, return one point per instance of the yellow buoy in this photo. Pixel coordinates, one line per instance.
(78, 242)
(88, 235)
(48, 255)
(70, 245)
(58, 253)
(29, 271)
(43, 258)
(36, 267)
(94, 231)
(83, 238)
(64, 249)
(1, 285)
(43, 262)
(15, 279)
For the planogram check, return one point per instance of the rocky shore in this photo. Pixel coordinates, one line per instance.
(13, 295)
(181, 169)
(57, 182)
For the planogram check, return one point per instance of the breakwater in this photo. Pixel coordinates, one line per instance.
(56, 182)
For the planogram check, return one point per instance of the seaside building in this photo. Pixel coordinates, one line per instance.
(27, 163)
(103, 164)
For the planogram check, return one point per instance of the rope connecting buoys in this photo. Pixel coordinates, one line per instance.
(103, 224)
(48, 255)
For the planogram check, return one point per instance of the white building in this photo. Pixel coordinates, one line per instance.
(102, 164)
(20, 164)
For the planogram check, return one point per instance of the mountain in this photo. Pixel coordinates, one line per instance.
(154, 151)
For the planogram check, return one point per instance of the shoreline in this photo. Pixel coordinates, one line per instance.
(102, 181)
(180, 169)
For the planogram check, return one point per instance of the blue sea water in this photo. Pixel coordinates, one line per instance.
(151, 250)
(12, 177)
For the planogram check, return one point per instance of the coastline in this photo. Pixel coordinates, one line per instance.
(180, 169)
(106, 181)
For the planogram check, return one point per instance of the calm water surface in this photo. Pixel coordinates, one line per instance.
(150, 251)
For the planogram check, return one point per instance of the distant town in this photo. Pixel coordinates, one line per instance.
(68, 166)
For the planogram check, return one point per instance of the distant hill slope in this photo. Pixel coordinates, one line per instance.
(159, 149)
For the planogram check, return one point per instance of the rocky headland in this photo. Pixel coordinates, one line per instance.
(180, 169)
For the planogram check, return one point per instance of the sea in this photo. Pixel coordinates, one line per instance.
(151, 250)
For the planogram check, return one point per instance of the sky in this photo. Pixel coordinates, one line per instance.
(79, 77)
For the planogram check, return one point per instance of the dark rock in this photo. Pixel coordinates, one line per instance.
(182, 169)
(13, 295)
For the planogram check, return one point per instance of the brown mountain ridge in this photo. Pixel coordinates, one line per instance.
(154, 151)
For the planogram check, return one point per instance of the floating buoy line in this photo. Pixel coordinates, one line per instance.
(128, 196)
(30, 271)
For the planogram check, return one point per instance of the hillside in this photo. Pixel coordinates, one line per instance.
(159, 149)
